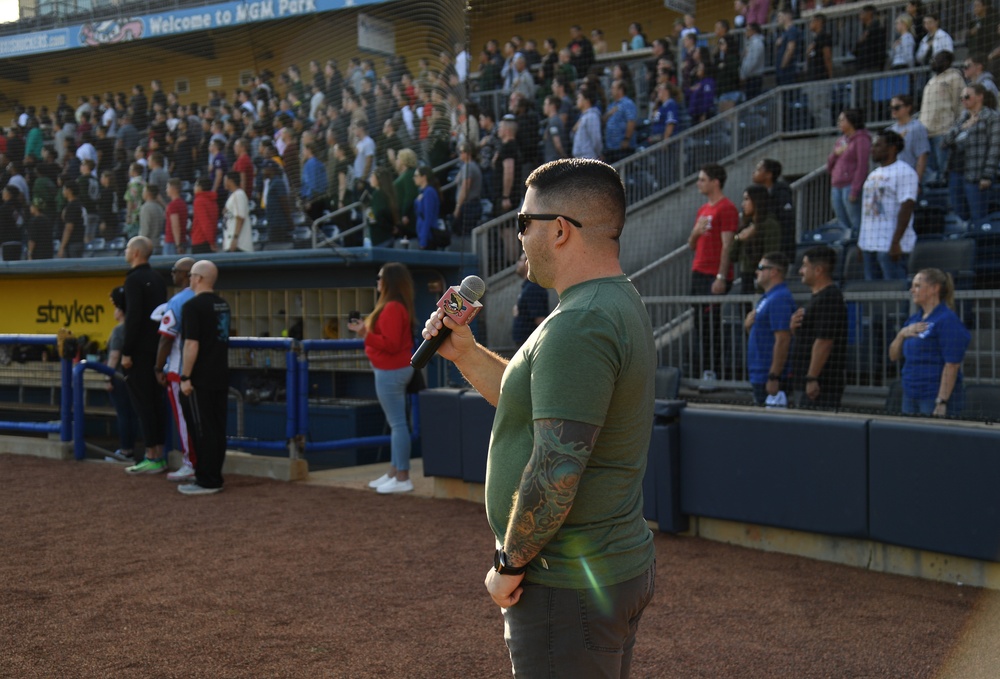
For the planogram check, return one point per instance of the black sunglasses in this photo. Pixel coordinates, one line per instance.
(765, 267)
(897, 107)
(523, 218)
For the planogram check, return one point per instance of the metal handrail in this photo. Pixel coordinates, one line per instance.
(358, 204)
(673, 151)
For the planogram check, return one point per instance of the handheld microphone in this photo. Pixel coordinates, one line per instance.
(459, 302)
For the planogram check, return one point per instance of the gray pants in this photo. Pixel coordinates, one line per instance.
(554, 632)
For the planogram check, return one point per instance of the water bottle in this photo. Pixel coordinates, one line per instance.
(624, 45)
(368, 239)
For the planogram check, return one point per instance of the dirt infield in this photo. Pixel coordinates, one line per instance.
(109, 576)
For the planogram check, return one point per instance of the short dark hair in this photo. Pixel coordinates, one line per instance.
(904, 99)
(779, 259)
(715, 171)
(772, 166)
(234, 177)
(153, 190)
(755, 27)
(893, 138)
(581, 180)
(824, 256)
(205, 184)
(869, 8)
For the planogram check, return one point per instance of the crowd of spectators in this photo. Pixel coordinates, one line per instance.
(290, 148)
(307, 144)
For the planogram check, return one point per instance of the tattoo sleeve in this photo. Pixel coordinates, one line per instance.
(548, 485)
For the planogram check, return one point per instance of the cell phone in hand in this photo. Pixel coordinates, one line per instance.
(354, 316)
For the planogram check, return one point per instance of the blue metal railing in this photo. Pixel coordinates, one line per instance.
(65, 392)
(78, 396)
(303, 395)
(73, 401)
(291, 392)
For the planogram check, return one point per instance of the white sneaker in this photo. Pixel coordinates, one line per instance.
(395, 486)
(185, 473)
(385, 478)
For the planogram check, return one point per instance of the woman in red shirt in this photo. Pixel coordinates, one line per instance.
(388, 335)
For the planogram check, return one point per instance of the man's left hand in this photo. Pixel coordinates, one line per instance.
(895, 251)
(718, 287)
(187, 387)
(505, 590)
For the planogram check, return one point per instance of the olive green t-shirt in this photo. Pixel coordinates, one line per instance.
(592, 360)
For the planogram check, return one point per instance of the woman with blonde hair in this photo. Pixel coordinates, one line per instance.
(388, 336)
(905, 45)
(933, 343)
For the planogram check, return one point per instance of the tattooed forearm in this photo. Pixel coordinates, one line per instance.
(548, 486)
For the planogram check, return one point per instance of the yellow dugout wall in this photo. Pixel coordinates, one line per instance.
(40, 306)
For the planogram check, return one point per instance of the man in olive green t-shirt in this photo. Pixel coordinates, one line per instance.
(574, 567)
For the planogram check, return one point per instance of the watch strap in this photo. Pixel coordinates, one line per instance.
(501, 567)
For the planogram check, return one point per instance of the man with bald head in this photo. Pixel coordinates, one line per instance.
(570, 436)
(204, 378)
(168, 362)
(144, 292)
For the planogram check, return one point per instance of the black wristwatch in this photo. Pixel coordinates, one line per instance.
(185, 378)
(501, 567)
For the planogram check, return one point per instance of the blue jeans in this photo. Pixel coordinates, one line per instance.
(170, 248)
(937, 159)
(967, 199)
(925, 406)
(879, 266)
(848, 213)
(390, 387)
(554, 632)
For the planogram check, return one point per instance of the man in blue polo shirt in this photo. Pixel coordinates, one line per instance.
(769, 327)
(619, 125)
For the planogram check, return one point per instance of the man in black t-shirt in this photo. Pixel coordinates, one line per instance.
(767, 173)
(507, 167)
(819, 349)
(145, 290)
(205, 323)
(74, 223)
(40, 240)
(819, 67)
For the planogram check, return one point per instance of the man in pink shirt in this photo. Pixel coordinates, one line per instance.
(758, 12)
